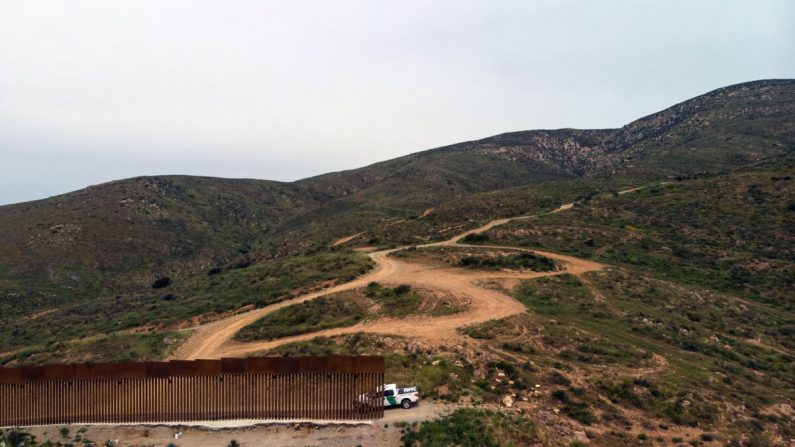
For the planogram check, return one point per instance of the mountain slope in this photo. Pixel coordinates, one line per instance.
(119, 237)
(128, 233)
(729, 127)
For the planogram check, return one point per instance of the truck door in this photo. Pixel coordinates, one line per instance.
(389, 398)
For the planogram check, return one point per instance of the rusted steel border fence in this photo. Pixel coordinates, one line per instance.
(334, 387)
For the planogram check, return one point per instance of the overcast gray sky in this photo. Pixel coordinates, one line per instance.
(92, 91)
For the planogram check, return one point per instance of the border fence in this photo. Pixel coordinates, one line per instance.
(314, 388)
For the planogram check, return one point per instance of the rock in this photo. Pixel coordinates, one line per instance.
(436, 362)
(580, 436)
(538, 386)
(507, 401)
(501, 374)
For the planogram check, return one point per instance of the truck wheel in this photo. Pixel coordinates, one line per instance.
(405, 404)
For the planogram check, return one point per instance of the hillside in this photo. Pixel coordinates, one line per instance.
(726, 128)
(615, 287)
(733, 232)
(125, 234)
(116, 239)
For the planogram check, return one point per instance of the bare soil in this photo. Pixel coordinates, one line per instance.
(251, 433)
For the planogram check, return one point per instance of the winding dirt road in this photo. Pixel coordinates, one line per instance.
(216, 339)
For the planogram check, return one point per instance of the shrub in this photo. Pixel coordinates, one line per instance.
(474, 238)
(470, 427)
(559, 379)
(402, 289)
(161, 282)
(523, 260)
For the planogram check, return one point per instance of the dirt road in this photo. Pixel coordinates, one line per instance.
(251, 433)
(216, 339)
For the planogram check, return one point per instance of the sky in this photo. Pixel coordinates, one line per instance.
(94, 91)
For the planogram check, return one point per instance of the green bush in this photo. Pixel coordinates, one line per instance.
(310, 316)
(470, 427)
(524, 260)
(475, 238)
(402, 289)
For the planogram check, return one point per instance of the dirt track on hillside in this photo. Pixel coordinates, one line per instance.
(216, 339)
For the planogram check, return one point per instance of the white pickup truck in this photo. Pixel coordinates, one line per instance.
(405, 397)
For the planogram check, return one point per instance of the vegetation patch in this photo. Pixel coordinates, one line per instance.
(346, 309)
(115, 347)
(518, 261)
(730, 232)
(395, 302)
(475, 238)
(700, 338)
(479, 258)
(471, 427)
(202, 296)
(311, 316)
(685, 408)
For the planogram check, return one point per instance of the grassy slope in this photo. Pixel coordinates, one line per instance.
(713, 360)
(123, 235)
(322, 313)
(339, 310)
(258, 285)
(733, 232)
(113, 347)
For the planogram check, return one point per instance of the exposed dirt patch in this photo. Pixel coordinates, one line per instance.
(346, 239)
(385, 432)
(40, 314)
